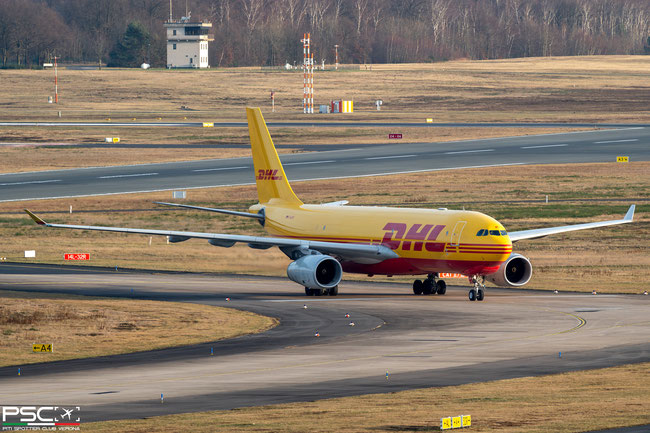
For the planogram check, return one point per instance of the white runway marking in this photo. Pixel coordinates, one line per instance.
(310, 162)
(546, 145)
(127, 175)
(616, 141)
(391, 157)
(469, 151)
(220, 169)
(30, 182)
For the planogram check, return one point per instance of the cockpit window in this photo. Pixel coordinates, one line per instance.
(481, 232)
(504, 233)
(495, 233)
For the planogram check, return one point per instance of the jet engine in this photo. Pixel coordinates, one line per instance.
(316, 271)
(514, 272)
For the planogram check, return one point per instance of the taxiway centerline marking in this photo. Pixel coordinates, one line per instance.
(127, 175)
(391, 157)
(616, 141)
(29, 182)
(309, 162)
(546, 145)
(468, 151)
(221, 169)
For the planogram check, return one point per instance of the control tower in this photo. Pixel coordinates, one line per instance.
(187, 43)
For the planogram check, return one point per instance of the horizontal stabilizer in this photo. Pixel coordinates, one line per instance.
(210, 209)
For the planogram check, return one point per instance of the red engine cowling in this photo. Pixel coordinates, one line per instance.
(514, 272)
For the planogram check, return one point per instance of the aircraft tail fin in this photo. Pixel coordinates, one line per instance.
(272, 183)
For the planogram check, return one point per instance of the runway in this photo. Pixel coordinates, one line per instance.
(353, 161)
(421, 341)
(328, 124)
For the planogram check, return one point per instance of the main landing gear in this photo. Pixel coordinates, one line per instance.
(430, 286)
(322, 292)
(477, 293)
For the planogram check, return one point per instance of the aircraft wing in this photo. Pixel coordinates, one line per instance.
(349, 251)
(540, 233)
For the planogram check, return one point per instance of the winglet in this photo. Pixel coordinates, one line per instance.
(630, 214)
(36, 219)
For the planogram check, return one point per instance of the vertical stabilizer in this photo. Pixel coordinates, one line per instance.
(271, 180)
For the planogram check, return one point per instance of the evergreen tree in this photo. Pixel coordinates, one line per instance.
(131, 50)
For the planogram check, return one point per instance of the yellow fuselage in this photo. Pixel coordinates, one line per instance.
(426, 240)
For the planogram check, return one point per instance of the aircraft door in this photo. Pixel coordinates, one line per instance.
(458, 230)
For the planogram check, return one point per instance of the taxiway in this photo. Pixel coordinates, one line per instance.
(420, 341)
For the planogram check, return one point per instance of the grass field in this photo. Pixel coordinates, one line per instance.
(81, 327)
(563, 403)
(613, 259)
(574, 89)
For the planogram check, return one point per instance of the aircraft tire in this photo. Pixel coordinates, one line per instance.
(417, 287)
(480, 295)
(427, 287)
(472, 295)
(334, 291)
(441, 287)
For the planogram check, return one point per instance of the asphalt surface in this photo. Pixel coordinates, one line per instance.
(325, 124)
(398, 157)
(420, 341)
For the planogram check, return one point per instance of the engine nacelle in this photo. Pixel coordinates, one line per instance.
(316, 271)
(514, 272)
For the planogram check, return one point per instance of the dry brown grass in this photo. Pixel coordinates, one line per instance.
(613, 259)
(580, 89)
(81, 327)
(563, 403)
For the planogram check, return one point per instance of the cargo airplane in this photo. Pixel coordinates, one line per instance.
(323, 241)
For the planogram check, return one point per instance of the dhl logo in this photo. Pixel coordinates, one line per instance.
(400, 234)
(267, 174)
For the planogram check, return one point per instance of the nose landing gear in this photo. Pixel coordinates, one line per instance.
(477, 293)
(430, 286)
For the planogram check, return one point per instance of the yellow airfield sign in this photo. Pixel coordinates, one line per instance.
(47, 347)
(622, 159)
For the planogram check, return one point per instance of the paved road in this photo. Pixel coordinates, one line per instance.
(593, 146)
(421, 341)
(340, 124)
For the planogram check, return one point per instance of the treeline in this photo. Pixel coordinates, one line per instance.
(268, 32)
